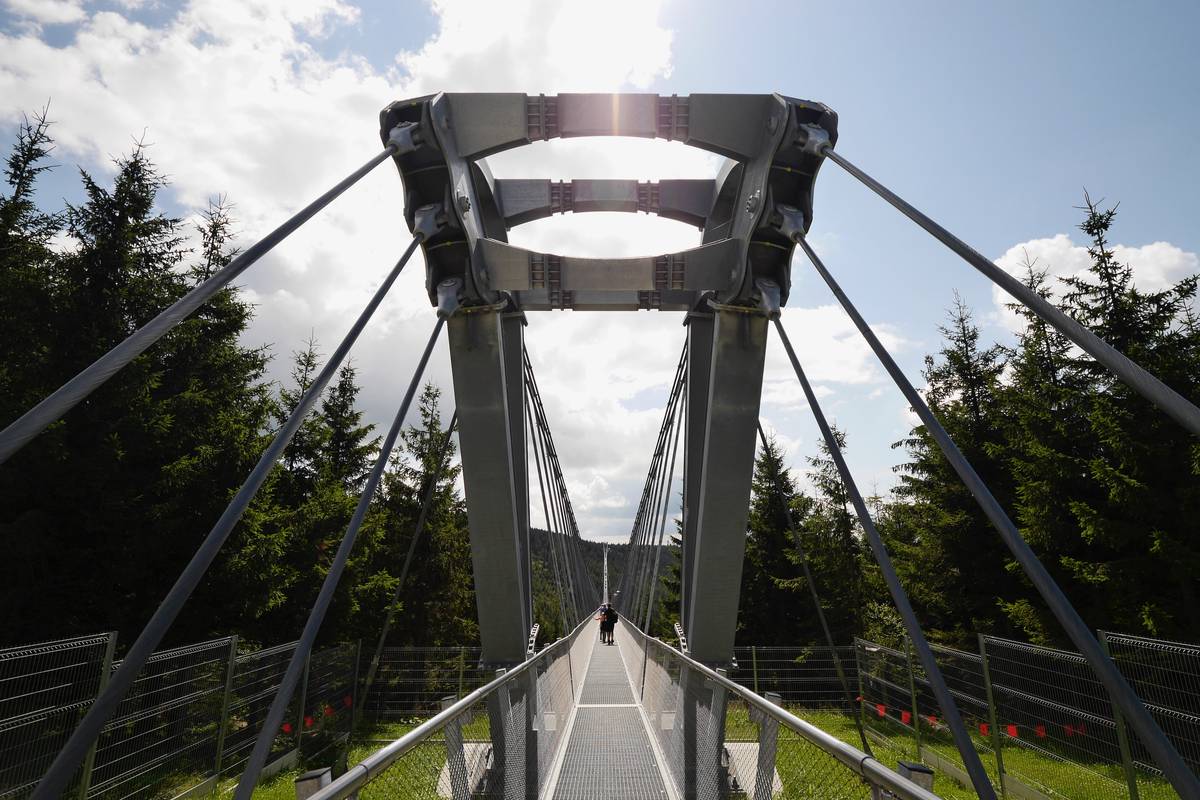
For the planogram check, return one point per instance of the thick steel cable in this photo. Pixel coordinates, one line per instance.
(559, 517)
(418, 530)
(75, 750)
(1152, 736)
(22, 430)
(662, 529)
(958, 730)
(777, 479)
(312, 626)
(1174, 404)
(551, 534)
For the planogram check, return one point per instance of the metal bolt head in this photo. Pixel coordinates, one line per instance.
(464, 203)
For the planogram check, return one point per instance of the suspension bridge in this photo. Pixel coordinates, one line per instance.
(639, 718)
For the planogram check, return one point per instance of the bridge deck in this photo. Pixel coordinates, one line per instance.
(609, 753)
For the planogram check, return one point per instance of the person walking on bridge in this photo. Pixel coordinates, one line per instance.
(610, 621)
(605, 628)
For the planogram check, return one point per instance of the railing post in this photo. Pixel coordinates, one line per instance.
(89, 762)
(992, 717)
(754, 665)
(456, 762)
(768, 736)
(462, 666)
(1122, 734)
(531, 728)
(912, 695)
(230, 666)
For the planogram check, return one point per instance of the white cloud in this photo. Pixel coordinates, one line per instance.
(237, 100)
(1156, 266)
(47, 12)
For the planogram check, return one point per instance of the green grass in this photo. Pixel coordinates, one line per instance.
(1056, 777)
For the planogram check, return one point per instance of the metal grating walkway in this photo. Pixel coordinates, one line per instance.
(608, 754)
(606, 680)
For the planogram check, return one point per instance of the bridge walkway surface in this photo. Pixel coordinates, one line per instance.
(609, 751)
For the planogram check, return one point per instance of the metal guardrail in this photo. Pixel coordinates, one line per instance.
(451, 754)
(765, 746)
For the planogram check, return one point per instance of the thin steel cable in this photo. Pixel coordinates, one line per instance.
(556, 536)
(662, 529)
(1134, 376)
(551, 534)
(662, 493)
(22, 430)
(54, 783)
(1152, 736)
(962, 739)
(295, 668)
(777, 479)
(426, 502)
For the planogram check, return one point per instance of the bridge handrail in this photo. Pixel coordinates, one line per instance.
(869, 768)
(375, 764)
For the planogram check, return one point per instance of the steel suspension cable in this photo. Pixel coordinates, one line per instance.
(1148, 386)
(75, 750)
(430, 490)
(22, 430)
(551, 534)
(958, 730)
(777, 479)
(558, 488)
(662, 492)
(1152, 736)
(662, 530)
(295, 667)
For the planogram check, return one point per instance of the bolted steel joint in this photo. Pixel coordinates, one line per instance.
(768, 300)
(428, 220)
(790, 221)
(447, 294)
(404, 138)
(812, 139)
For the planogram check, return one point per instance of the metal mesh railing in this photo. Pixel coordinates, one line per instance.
(1166, 675)
(719, 739)
(44, 691)
(499, 741)
(164, 733)
(411, 681)
(801, 676)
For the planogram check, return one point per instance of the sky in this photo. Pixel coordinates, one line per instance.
(992, 118)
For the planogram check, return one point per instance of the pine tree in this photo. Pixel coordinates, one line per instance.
(946, 552)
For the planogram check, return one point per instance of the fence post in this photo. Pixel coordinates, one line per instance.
(456, 762)
(768, 736)
(991, 701)
(858, 670)
(300, 715)
(354, 687)
(462, 666)
(754, 665)
(1122, 734)
(912, 694)
(223, 720)
(89, 762)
